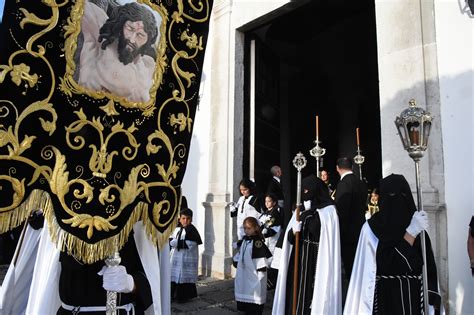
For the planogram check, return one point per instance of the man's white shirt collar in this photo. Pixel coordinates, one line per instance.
(277, 178)
(346, 173)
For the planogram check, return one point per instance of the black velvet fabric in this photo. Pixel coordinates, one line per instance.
(64, 136)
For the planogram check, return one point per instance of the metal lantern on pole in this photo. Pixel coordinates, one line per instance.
(414, 126)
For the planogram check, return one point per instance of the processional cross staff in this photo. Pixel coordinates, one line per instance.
(299, 162)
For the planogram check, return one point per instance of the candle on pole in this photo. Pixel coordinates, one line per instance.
(317, 127)
(357, 134)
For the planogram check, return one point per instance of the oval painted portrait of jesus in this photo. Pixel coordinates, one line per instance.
(119, 46)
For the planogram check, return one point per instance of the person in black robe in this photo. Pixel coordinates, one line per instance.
(81, 285)
(317, 192)
(350, 197)
(8, 242)
(397, 225)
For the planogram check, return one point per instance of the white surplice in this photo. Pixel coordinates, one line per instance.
(250, 285)
(327, 282)
(42, 297)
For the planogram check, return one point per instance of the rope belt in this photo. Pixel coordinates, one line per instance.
(311, 242)
(397, 277)
(129, 308)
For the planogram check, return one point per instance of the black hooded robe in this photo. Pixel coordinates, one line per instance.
(398, 287)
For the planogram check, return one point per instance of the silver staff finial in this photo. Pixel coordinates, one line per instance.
(299, 162)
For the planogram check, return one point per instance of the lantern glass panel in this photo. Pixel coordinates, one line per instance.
(426, 132)
(414, 133)
(402, 132)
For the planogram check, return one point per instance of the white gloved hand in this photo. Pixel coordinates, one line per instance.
(233, 206)
(117, 279)
(234, 245)
(296, 226)
(419, 222)
(264, 231)
(174, 243)
(307, 204)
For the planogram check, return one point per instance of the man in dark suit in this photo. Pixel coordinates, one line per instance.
(274, 187)
(351, 195)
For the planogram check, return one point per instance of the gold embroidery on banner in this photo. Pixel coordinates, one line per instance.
(157, 212)
(100, 162)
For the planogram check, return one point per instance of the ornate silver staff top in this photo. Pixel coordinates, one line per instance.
(299, 162)
(359, 160)
(317, 152)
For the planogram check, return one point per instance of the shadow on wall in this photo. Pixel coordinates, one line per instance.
(190, 181)
(445, 163)
(209, 238)
(217, 240)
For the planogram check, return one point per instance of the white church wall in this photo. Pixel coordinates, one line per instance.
(210, 175)
(408, 68)
(455, 42)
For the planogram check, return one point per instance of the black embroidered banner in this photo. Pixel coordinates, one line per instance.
(97, 100)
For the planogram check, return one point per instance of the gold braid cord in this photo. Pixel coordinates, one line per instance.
(97, 100)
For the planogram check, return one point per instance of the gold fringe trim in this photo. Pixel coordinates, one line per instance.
(158, 238)
(38, 199)
(87, 252)
(81, 250)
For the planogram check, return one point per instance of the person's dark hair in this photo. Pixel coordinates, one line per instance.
(254, 223)
(344, 163)
(247, 183)
(186, 212)
(272, 197)
(113, 27)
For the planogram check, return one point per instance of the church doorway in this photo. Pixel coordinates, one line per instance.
(312, 59)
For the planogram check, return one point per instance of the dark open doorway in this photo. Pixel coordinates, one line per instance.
(313, 59)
